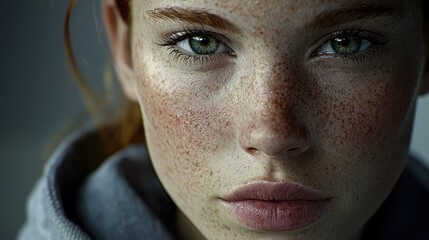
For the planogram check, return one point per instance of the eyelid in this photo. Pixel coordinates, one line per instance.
(173, 38)
(185, 45)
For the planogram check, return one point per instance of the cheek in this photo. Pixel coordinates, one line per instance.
(184, 129)
(370, 113)
(361, 130)
(373, 107)
(366, 129)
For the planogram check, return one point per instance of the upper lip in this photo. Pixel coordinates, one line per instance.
(274, 191)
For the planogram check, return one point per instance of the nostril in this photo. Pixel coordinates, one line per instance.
(297, 149)
(251, 150)
(300, 146)
(293, 149)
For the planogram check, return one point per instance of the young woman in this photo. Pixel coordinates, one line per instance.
(263, 120)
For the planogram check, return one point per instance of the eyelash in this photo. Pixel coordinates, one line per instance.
(180, 56)
(170, 41)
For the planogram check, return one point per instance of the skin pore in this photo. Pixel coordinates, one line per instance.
(273, 101)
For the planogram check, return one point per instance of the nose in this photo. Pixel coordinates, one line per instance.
(273, 124)
(273, 136)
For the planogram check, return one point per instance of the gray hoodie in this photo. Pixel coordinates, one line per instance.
(121, 199)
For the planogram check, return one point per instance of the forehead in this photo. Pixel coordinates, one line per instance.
(275, 13)
(282, 18)
(266, 8)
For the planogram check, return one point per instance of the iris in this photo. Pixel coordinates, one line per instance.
(203, 45)
(346, 44)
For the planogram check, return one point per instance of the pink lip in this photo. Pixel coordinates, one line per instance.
(273, 206)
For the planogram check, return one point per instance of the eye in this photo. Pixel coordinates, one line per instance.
(202, 45)
(351, 42)
(344, 44)
(197, 46)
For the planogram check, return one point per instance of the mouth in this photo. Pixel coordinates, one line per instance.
(276, 206)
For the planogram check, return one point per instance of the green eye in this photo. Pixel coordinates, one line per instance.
(347, 44)
(203, 45)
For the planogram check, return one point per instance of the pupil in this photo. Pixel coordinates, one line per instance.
(203, 41)
(203, 45)
(346, 45)
(343, 41)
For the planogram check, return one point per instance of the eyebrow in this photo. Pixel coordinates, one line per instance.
(200, 17)
(333, 17)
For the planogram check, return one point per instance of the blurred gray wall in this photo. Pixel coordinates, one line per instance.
(420, 139)
(38, 94)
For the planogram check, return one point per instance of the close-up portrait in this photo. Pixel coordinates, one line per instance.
(219, 120)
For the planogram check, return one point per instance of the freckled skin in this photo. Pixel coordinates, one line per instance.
(272, 113)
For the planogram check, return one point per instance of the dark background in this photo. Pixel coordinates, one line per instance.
(38, 95)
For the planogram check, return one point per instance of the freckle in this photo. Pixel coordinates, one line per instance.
(224, 226)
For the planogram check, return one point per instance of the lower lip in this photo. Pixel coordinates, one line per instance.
(277, 215)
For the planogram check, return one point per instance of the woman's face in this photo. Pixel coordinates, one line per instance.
(302, 109)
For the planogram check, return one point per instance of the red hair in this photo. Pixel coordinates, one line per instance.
(125, 126)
